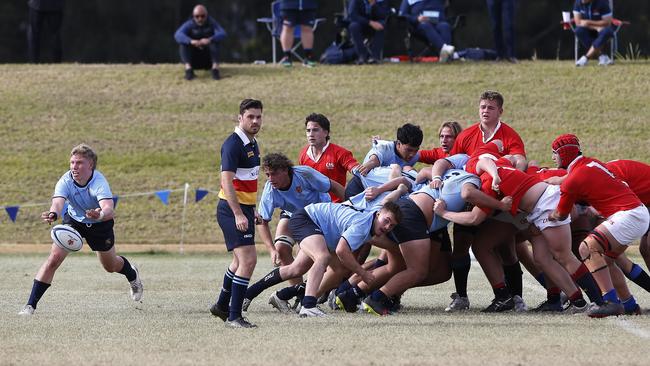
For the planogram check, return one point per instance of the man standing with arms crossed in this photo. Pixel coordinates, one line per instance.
(240, 165)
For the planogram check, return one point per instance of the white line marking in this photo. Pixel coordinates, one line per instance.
(632, 328)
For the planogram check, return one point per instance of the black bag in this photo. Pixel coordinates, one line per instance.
(338, 54)
(477, 54)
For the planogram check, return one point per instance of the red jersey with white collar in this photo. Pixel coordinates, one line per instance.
(472, 137)
(636, 174)
(430, 156)
(590, 181)
(514, 183)
(334, 163)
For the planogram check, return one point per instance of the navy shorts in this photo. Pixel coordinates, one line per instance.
(99, 236)
(302, 226)
(413, 225)
(284, 215)
(226, 219)
(295, 17)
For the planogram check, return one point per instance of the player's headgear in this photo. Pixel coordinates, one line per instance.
(567, 148)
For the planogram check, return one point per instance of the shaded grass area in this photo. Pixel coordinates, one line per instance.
(155, 131)
(87, 317)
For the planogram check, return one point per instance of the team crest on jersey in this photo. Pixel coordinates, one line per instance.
(299, 189)
(250, 154)
(329, 165)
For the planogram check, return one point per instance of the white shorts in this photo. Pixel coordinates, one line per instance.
(518, 221)
(628, 226)
(546, 204)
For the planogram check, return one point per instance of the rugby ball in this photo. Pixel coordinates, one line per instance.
(67, 238)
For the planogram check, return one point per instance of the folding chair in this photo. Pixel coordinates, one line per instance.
(613, 44)
(274, 26)
(456, 21)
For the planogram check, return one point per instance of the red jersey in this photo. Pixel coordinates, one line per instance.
(487, 149)
(430, 156)
(472, 138)
(589, 181)
(514, 183)
(544, 173)
(334, 163)
(636, 174)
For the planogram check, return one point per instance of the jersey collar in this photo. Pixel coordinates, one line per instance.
(312, 156)
(485, 140)
(568, 169)
(242, 136)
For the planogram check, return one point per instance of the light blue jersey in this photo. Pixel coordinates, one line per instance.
(337, 220)
(387, 154)
(83, 198)
(307, 186)
(458, 161)
(453, 179)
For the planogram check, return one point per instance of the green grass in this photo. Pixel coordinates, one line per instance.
(155, 131)
(86, 317)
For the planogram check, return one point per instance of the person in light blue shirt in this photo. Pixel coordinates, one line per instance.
(403, 152)
(323, 229)
(289, 188)
(90, 212)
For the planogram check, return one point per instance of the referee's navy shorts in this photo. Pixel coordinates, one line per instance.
(302, 226)
(226, 219)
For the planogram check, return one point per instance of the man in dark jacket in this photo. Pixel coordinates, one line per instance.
(41, 13)
(368, 20)
(427, 20)
(199, 39)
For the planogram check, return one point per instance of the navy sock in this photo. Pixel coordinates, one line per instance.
(639, 276)
(379, 262)
(38, 289)
(127, 270)
(289, 292)
(513, 274)
(309, 302)
(611, 296)
(585, 280)
(359, 293)
(271, 279)
(378, 295)
(239, 286)
(223, 301)
(630, 304)
(300, 294)
(344, 286)
(287, 54)
(501, 291)
(308, 53)
(460, 268)
(541, 279)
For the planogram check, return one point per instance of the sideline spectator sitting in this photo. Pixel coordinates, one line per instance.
(199, 39)
(593, 20)
(427, 19)
(368, 20)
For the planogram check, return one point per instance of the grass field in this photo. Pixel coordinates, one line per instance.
(154, 131)
(87, 318)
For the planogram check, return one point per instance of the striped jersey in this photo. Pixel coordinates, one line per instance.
(241, 156)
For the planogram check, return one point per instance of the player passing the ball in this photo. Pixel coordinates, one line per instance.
(90, 212)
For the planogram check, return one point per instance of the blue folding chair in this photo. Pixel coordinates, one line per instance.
(274, 26)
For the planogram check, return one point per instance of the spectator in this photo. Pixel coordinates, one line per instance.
(303, 13)
(199, 39)
(502, 15)
(368, 20)
(427, 20)
(41, 13)
(593, 20)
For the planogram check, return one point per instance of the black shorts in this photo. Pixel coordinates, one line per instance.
(226, 219)
(442, 236)
(302, 226)
(469, 230)
(413, 225)
(295, 17)
(99, 236)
